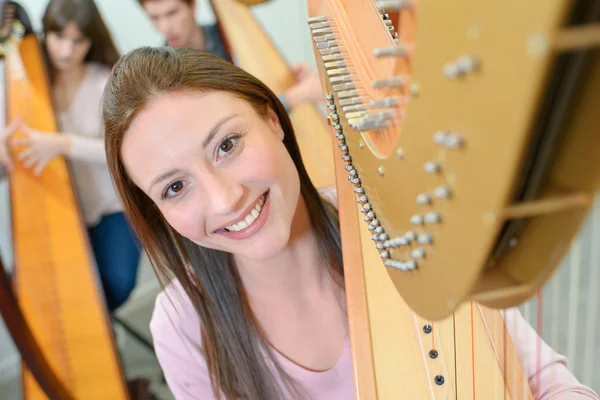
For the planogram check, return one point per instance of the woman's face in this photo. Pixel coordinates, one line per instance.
(67, 49)
(217, 170)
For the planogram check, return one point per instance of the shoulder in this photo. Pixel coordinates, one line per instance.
(98, 74)
(173, 311)
(175, 329)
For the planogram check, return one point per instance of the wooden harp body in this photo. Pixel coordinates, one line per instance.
(60, 325)
(463, 136)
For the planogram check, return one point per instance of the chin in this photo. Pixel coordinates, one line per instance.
(267, 247)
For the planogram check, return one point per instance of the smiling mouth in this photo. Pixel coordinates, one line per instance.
(249, 218)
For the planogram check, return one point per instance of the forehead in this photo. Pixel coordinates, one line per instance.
(181, 111)
(71, 29)
(159, 7)
(173, 123)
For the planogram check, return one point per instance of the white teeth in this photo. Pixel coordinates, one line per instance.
(250, 218)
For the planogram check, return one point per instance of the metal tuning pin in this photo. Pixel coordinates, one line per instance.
(344, 86)
(335, 64)
(321, 31)
(326, 45)
(393, 5)
(340, 79)
(371, 125)
(392, 82)
(390, 101)
(443, 192)
(390, 51)
(432, 167)
(332, 57)
(324, 38)
(447, 139)
(319, 25)
(320, 18)
(379, 116)
(348, 93)
(351, 101)
(401, 265)
(337, 71)
(354, 115)
(354, 108)
(330, 50)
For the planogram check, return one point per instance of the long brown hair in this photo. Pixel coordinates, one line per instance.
(233, 342)
(89, 21)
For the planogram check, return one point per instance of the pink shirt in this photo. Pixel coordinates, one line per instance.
(175, 328)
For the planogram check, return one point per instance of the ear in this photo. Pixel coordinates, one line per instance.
(273, 121)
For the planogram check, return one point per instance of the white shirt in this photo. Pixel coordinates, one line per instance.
(83, 122)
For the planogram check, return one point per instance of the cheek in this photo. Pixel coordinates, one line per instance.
(82, 51)
(185, 218)
(51, 46)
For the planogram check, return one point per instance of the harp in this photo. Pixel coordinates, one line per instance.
(464, 131)
(261, 59)
(53, 307)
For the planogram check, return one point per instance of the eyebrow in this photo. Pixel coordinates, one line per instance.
(215, 129)
(213, 132)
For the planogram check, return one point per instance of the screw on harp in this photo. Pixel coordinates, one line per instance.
(433, 217)
(396, 242)
(433, 354)
(447, 139)
(424, 199)
(427, 329)
(418, 253)
(432, 167)
(401, 265)
(425, 238)
(442, 192)
(460, 67)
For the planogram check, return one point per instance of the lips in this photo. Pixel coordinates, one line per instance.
(250, 221)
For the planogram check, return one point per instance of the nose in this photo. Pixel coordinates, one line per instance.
(225, 193)
(66, 49)
(164, 26)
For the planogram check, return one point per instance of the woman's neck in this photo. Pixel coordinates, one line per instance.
(197, 39)
(71, 77)
(296, 272)
(66, 85)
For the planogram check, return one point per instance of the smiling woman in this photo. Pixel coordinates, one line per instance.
(211, 176)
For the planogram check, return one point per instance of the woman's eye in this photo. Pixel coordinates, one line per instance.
(173, 189)
(226, 145)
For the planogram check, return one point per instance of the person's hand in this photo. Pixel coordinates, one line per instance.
(5, 157)
(40, 148)
(307, 89)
